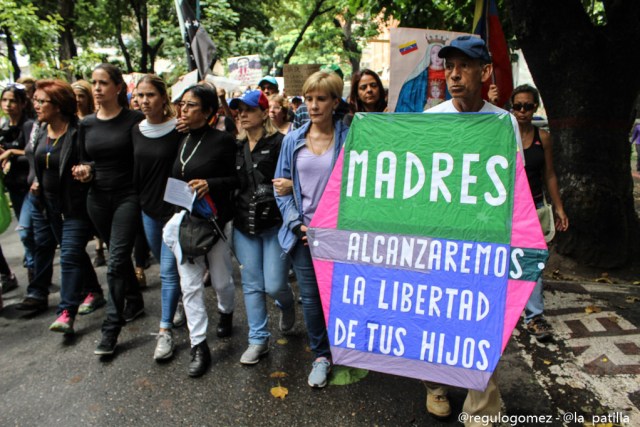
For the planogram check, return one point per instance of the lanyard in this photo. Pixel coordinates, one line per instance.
(50, 147)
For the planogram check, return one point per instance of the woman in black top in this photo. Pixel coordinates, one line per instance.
(64, 199)
(106, 150)
(255, 236)
(14, 133)
(155, 147)
(206, 161)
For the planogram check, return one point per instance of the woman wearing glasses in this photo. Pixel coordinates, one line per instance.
(206, 162)
(106, 151)
(538, 155)
(63, 198)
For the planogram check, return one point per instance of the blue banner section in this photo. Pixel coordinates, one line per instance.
(441, 316)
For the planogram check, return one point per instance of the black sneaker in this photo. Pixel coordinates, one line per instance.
(107, 345)
(32, 304)
(132, 311)
(9, 282)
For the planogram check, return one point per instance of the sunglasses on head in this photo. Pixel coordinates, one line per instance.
(527, 107)
(18, 86)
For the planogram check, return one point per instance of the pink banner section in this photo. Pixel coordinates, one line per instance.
(518, 293)
(525, 231)
(330, 202)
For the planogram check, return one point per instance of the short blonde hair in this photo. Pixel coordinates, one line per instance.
(324, 81)
(276, 97)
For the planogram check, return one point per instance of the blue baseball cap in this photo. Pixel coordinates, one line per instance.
(473, 47)
(252, 98)
(270, 80)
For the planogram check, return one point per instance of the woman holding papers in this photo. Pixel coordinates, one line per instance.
(106, 151)
(307, 158)
(155, 147)
(256, 224)
(206, 162)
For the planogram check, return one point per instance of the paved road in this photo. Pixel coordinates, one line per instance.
(592, 368)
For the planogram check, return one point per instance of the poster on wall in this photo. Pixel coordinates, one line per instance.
(417, 78)
(426, 245)
(246, 69)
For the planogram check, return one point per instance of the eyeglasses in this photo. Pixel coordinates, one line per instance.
(42, 101)
(526, 106)
(188, 105)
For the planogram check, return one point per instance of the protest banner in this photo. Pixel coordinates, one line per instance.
(417, 80)
(247, 69)
(295, 75)
(426, 245)
(183, 83)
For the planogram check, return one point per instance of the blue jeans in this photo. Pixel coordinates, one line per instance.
(43, 255)
(535, 305)
(76, 271)
(169, 276)
(265, 271)
(311, 304)
(25, 229)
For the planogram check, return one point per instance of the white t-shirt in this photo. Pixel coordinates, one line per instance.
(448, 107)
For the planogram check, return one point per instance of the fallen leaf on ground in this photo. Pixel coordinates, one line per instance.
(604, 359)
(604, 280)
(283, 341)
(547, 362)
(279, 392)
(343, 375)
(592, 309)
(636, 283)
(632, 299)
(278, 374)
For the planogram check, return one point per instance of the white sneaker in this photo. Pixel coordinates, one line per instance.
(164, 346)
(319, 373)
(253, 353)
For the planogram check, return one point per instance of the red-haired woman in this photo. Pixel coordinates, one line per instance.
(64, 199)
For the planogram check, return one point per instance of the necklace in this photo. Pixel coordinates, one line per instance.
(50, 147)
(184, 162)
(312, 148)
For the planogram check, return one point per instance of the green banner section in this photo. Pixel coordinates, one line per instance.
(440, 175)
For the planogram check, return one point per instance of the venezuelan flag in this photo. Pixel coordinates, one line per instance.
(486, 24)
(408, 47)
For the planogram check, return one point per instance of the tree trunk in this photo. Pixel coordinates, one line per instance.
(349, 45)
(11, 52)
(67, 47)
(589, 88)
(314, 14)
(140, 10)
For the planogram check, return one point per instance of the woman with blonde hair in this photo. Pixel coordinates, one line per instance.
(155, 147)
(256, 223)
(279, 113)
(307, 158)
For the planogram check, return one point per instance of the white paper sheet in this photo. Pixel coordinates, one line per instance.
(179, 193)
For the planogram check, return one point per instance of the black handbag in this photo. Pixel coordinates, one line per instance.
(197, 236)
(263, 209)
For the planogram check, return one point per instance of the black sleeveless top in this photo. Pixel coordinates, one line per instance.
(534, 166)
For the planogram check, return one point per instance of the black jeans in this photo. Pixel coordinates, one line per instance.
(116, 216)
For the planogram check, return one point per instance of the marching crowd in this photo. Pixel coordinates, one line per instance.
(87, 159)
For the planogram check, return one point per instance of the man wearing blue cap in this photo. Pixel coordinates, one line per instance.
(467, 67)
(269, 85)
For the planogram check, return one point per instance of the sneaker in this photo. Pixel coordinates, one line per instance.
(91, 303)
(438, 404)
(287, 318)
(9, 282)
(132, 311)
(164, 345)
(180, 318)
(253, 353)
(319, 373)
(64, 323)
(141, 278)
(107, 345)
(539, 328)
(32, 304)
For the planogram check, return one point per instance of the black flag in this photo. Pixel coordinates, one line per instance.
(201, 50)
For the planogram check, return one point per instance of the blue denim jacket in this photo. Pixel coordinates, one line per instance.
(291, 204)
